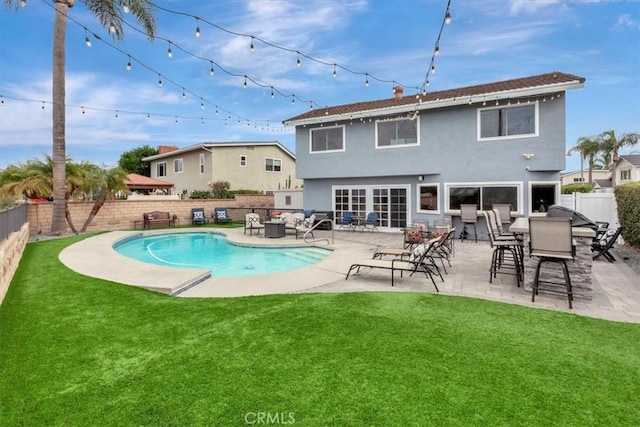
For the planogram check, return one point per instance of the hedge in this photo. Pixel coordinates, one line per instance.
(628, 200)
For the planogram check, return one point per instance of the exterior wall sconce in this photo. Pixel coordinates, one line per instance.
(528, 156)
(420, 177)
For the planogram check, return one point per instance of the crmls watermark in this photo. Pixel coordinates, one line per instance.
(269, 418)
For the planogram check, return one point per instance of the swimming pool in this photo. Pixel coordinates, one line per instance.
(213, 251)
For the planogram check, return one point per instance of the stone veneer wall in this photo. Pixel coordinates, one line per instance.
(579, 270)
(11, 250)
(121, 214)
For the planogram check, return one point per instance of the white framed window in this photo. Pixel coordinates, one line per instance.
(161, 169)
(397, 133)
(273, 165)
(484, 195)
(243, 161)
(578, 179)
(178, 166)
(201, 163)
(543, 194)
(625, 175)
(516, 121)
(428, 196)
(391, 202)
(326, 139)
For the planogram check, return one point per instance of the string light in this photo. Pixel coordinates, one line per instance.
(129, 64)
(334, 71)
(298, 63)
(433, 69)
(366, 82)
(252, 47)
(197, 27)
(447, 18)
(125, 6)
(211, 71)
(436, 52)
(244, 85)
(184, 95)
(272, 94)
(42, 105)
(169, 52)
(86, 38)
(112, 29)
(201, 103)
(159, 81)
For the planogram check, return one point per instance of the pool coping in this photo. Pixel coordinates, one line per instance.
(95, 257)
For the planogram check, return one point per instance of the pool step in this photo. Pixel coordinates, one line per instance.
(310, 255)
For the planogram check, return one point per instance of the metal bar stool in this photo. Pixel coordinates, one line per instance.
(469, 216)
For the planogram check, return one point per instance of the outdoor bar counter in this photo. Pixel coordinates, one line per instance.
(579, 270)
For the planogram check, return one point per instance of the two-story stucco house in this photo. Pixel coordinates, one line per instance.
(626, 169)
(263, 166)
(420, 157)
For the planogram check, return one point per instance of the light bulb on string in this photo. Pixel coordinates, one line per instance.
(298, 63)
(169, 52)
(252, 48)
(116, 114)
(201, 121)
(436, 52)
(125, 7)
(366, 82)
(87, 41)
(176, 117)
(184, 95)
(112, 29)
(148, 116)
(433, 69)
(293, 99)
(211, 71)
(201, 103)
(129, 64)
(159, 81)
(272, 94)
(197, 27)
(447, 18)
(42, 106)
(244, 85)
(334, 71)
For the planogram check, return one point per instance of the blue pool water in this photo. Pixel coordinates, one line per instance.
(213, 251)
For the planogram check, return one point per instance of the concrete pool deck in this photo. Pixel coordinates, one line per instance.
(616, 286)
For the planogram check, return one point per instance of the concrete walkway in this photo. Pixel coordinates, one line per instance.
(616, 286)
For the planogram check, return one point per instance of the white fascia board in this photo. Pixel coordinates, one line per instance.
(441, 103)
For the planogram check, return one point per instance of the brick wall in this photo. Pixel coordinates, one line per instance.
(121, 214)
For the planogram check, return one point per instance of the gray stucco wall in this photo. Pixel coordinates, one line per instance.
(449, 152)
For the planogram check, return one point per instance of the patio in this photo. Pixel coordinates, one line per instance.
(616, 286)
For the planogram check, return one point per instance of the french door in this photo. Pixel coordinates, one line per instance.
(389, 202)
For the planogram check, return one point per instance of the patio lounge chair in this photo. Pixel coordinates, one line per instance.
(221, 216)
(252, 222)
(604, 242)
(418, 262)
(198, 216)
(306, 225)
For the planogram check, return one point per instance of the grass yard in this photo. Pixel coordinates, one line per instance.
(77, 351)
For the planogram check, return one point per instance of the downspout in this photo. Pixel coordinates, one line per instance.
(212, 174)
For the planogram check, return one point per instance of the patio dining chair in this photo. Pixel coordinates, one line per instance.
(469, 217)
(551, 240)
(371, 222)
(346, 221)
(221, 216)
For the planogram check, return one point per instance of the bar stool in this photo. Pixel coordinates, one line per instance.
(507, 253)
(468, 216)
(550, 239)
(505, 212)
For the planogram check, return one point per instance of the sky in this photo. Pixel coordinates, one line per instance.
(111, 110)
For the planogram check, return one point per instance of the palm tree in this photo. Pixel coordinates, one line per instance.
(589, 148)
(610, 145)
(108, 182)
(109, 14)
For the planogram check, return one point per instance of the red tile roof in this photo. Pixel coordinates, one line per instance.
(541, 81)
(135, 181)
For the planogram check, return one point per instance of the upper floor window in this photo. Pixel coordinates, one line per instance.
(177, 166)
(504, 122)
(161, 169)
(625, 175)
(273, 165)
(243, 160)
(327, 139)
(391, 133)
(201, 163)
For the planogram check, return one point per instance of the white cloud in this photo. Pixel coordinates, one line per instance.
(627, 21)
(530, 6)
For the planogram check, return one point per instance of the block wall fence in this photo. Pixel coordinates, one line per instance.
(122, 214)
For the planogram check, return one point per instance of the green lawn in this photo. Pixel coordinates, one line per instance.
(77, 351)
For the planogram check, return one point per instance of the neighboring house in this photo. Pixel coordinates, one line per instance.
(263, 166)
(603, 185)
(626, 169)
(421, 157)
(580, 176)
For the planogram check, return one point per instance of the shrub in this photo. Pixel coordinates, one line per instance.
(628, 199)
(577, 188)
(245, 191)
(220, 190)
(200, 194)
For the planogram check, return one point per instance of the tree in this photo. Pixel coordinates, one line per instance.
(107, 182)
(109, 14)
(131, 161)
(610, 145)
(588, 147)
